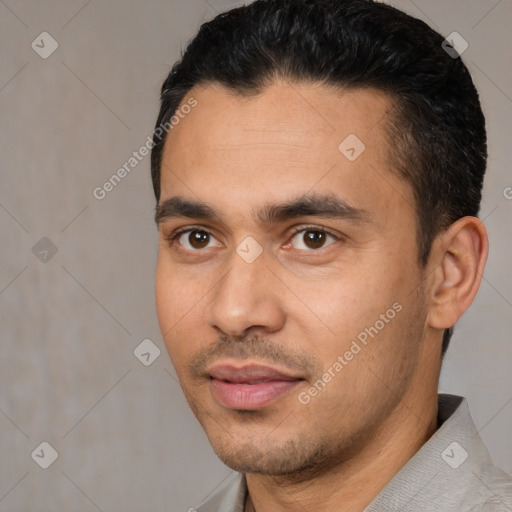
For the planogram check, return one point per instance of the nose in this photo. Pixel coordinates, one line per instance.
(246, 300)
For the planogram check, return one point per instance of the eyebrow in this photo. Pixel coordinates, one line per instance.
(319, 205)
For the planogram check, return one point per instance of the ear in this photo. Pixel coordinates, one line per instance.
(455, 268)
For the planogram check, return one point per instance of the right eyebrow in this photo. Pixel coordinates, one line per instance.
(177, 206)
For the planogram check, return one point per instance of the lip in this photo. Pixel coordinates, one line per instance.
(249, 387)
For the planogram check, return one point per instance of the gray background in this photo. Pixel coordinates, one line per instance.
(125, 437)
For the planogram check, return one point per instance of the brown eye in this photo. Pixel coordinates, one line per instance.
(195, 239)
(198, 239)
(312, 239)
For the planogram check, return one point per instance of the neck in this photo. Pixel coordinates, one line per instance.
(353, 484)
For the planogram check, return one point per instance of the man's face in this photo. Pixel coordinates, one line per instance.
(291, 303)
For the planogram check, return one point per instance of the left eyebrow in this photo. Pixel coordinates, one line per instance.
(318, 205)
(307, 205)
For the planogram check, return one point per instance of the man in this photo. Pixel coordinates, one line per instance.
(318, 167)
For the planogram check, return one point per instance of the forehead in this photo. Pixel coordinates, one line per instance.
(304, 115)
(288, 140)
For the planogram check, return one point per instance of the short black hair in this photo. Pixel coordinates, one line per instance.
(436, 130)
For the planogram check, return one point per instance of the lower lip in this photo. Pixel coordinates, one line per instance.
(250, 397)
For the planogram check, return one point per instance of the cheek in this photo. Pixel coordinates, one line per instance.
(348, 301)
(178, 305)
(359, 315)
(175, 292)
(369, 358)
(166, 299)
(169, 295)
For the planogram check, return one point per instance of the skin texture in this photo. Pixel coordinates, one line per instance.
(297, 308)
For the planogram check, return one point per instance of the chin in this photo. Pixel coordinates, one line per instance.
(286, 459)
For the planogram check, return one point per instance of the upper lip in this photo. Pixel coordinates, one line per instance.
(250, 374)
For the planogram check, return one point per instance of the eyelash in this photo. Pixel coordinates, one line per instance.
(171, 239)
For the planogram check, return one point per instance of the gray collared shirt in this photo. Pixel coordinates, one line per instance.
(452, 471)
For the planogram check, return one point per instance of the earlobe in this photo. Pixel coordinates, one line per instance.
(459, 256)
